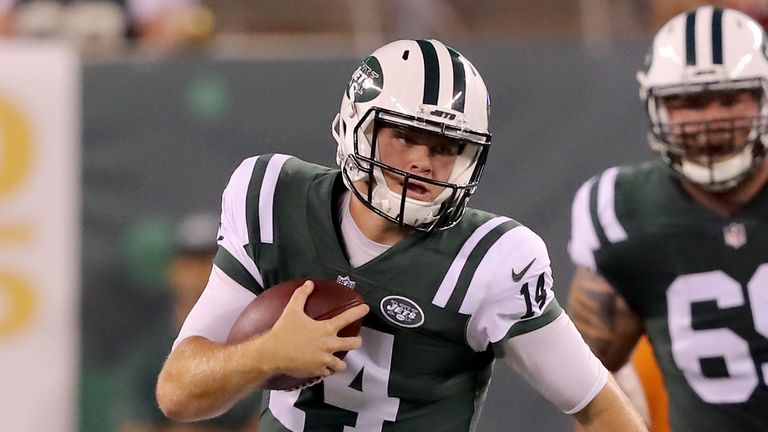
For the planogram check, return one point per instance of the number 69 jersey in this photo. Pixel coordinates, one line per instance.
(698, 280)
(442, 303)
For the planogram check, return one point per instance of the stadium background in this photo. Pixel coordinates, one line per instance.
(163, 125)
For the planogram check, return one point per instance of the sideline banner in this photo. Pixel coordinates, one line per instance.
(40, 197)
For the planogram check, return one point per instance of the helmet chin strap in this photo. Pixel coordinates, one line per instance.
(720, 174)
(415, 212)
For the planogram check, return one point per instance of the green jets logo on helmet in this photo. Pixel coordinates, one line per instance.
(367, 81)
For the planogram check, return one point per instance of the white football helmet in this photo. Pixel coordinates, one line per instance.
(711, 50)
(420, 84)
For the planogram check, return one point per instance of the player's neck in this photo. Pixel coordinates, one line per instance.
(730, 202)
(375, 227)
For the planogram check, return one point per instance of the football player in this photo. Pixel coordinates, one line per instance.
(677, 248)
(448, 288)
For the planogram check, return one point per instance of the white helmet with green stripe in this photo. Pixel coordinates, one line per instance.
(707, 49)
(421, 84)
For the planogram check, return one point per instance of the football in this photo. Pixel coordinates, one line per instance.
(327, 300)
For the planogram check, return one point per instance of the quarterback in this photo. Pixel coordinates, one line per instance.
(677, 248)
(448, 289)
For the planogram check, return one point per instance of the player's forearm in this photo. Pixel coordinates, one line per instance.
(603, 318)
(610, 411)
(202, 379)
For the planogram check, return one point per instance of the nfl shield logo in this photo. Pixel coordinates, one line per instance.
(735, 235)
(346, 281)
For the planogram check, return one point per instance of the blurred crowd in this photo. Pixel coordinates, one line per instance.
(107, 26)
(666, 9)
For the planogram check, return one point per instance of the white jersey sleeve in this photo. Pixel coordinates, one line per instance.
(247, 213)
(235, 277)
(233, 232)
(511, 291)
(557, 362)
(216, 310)
(593, 219)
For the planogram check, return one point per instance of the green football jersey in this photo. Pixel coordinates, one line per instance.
(698, 279)
(442, 303)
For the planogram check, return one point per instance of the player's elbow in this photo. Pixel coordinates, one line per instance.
(183, 401)
(171, 401)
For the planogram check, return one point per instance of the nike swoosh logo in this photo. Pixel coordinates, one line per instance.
(516, 277)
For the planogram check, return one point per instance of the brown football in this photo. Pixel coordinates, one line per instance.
(327, 300)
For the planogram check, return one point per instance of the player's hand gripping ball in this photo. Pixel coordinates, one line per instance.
(327, 300)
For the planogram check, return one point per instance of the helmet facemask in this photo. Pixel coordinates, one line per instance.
(704, 56)
(715, 154)
(365, 172)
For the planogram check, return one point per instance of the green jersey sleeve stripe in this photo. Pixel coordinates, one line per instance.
(252, 201)
(448, 285)
(552, 311)
(232, 267)
(459, 295)
(234, 232)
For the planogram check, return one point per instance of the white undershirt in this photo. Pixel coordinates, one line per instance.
(360, 249)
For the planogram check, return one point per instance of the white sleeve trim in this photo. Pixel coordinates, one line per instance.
(557, 362)
(216, 310)
(267, 197)
(606, 206)
(584, 239)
